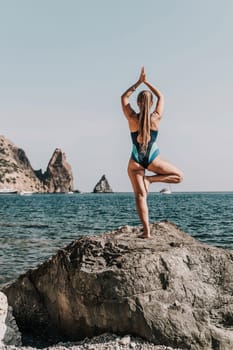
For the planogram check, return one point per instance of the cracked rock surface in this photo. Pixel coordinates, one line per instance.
(169, 289)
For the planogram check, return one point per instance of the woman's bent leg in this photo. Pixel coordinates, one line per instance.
(136, 175)
(166, 172)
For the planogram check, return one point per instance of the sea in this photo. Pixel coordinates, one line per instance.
(34, 227)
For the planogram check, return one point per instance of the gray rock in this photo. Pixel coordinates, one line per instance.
(102, 186)
(9, 332)
(170, 289)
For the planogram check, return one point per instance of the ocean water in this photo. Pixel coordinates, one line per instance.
(32, 228)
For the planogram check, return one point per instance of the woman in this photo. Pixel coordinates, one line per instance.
(144, 128)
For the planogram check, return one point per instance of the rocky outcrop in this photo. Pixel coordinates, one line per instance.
(170, 289)
(9, 332)
(102, 186)
(58, 177)
(16, 172)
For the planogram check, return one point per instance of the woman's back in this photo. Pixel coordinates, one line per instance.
(134, 122)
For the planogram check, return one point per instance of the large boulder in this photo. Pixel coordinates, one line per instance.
(102, 186)
(169, 289)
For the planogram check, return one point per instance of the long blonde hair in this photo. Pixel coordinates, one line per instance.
(145, 101)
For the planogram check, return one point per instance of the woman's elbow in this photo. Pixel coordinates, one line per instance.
(124, 100)
(123, 96)
(161, 97)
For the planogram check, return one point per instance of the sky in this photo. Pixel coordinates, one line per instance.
(65, 64)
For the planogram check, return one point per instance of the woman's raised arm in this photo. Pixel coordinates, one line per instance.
(127, 109)
(159, 108)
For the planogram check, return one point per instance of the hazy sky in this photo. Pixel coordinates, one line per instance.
(64, 65)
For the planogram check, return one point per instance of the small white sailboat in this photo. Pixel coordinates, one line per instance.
(26, 193)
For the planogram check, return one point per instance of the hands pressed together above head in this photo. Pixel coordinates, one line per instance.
(142, 77)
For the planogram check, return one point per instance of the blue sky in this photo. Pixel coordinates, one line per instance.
(64, 65)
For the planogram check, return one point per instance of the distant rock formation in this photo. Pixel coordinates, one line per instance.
(170, 289)
(58, 177)
(15, 169)
(16, 172)
(102, 186)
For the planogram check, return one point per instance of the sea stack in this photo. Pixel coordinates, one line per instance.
(102, 186)
(16, 172)
(58, 177)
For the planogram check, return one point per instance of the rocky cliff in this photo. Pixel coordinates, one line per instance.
(102, 186)
(170, 289)
(16, 172)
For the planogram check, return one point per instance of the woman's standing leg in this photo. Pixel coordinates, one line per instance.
(136, 175)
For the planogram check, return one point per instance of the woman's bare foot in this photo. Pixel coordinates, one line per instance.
(146, 182)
